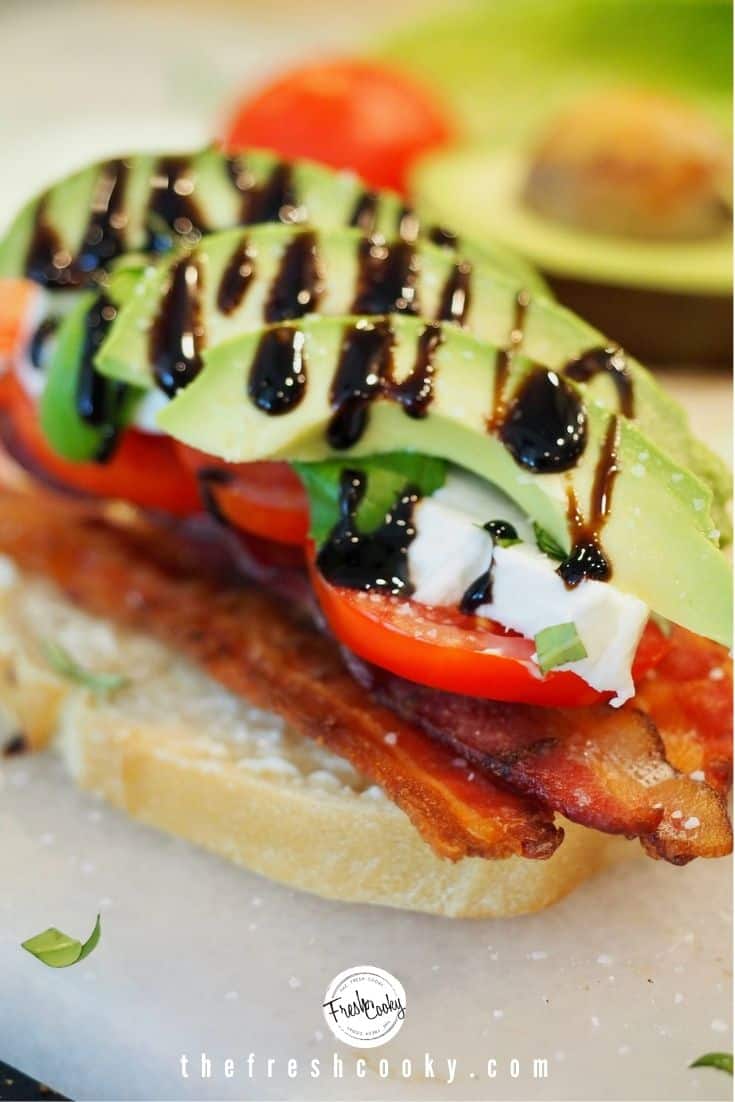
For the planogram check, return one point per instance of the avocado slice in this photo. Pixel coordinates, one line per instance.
(551, 335)
(80, 410)
(658, 536)
(72, 233)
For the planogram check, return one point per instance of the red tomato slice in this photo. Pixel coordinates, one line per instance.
(448, 650)
(144, 469)
(346, 113)
(266, 499)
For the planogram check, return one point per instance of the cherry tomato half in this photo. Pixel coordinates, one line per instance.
(448, 650)
(144, 469)
(266, 499)
(347, 113)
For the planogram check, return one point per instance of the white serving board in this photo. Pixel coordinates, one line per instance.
(619, 986)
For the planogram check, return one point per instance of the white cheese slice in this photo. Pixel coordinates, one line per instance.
(451, 550)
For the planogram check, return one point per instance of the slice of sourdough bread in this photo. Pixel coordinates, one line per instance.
(178, 752)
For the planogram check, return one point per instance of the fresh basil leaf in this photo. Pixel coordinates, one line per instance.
(558, 644)
(57, 950)
(66, 666)
(386, 475)
(720, 1060)
(547, 544)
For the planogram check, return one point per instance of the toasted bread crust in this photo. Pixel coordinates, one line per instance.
(180, 753)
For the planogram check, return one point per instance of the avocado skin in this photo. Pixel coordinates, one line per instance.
(659, 327)
(658, 535)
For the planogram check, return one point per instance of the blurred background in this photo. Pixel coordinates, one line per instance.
(591, 136)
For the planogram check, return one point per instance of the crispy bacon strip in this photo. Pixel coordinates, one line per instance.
(145, 578)
(602, 767)
(689, 698)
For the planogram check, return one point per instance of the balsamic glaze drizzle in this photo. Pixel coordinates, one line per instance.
(440, 235)
(545, 427)
(456, 296)
(98, 399)
(172, 209)
(177, 332)
(365, 213)
(373, 560)
(298, 285)
(587, 558)
(365, 372)
(610, 362)
(236, 278)
(277, 379)
(504, 359)
(41, 335)
(480, 592)
(386, 281)
(49, 263)
(208, 478)
(275, 200)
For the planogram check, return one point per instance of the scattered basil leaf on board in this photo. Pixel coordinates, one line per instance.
(57, 950)
(547, 544)
(720, 1060)
(387, 475)
(557, 645)
(66, 666)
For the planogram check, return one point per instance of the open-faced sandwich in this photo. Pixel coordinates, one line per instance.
(310, 504)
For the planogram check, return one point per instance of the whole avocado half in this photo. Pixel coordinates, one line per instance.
(507, 69)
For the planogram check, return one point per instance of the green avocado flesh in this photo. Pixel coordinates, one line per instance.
(658, 535)
(68, 433)
(483, 189)
(160, 201)
(552, 336)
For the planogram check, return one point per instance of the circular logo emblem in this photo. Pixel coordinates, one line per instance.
(365, 1006)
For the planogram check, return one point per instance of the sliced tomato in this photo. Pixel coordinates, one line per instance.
(347, 113)
(144, 470)
(448, 650)
(266, 499)
(17, 297)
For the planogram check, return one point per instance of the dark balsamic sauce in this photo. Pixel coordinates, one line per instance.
(480, 592)
(587, 558)
(456, 296)
(103, 238)
(443, 237)
(545, 427)
(365, 372)
(386, 281)
(236, 278)
(41, 335)
(16, 745)
(49, 263)
(365, 213)
(504, 359)
(277, 380)
(208, 478)
(369, 561)
(610, 362)
(173, 213)
(298, 286)
(365, 359)
(98, 399)
(177, 331)
(275, 200)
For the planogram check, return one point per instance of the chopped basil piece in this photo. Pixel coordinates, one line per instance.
(62, 663)
(387, 475)
(720, 1060)
(557, 645)
(546, 543)
(58, 950)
